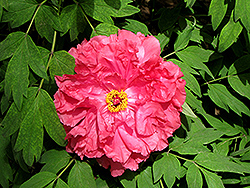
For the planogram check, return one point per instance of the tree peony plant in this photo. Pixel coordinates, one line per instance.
(124, 101)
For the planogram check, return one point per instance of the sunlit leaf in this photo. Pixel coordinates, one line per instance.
(238, 79)
(167, 166)
(54, 160)
(188, 111)
(217, 162)
(242, 10)
(194, 177)
(39, 180)
(217, 10)
(81, 176)
(212, 179)
(224, 99)
(189, 56)
(105, 29)
(136, 26)
(229, 34)
(145, 179)
(101, 11)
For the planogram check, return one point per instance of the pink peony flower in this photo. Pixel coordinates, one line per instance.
(124, 101)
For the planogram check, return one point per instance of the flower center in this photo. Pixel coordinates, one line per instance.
(117, 101)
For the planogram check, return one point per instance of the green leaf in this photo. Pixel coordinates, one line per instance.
(240, 152)
(221, 125)
(5, 168)
(192, 101)
(242, 10)
(19, 12)
(245, 180)
(188, 111)
(16, 78)
(128, 179)
(54, 160)
(101, 11)
(191, 147)
(217, 10)
(194, 177)
(4, 3)
(72, 19)
(136, 26)
(13, 119)
(50, 118)
(30, 136)
(35, 59)
(163, 39)
(44, 54)
(224, 99)
(39, 180)
(61, 63)
(168, 18)
(212, 179)
(241, 84)
(205, 136)
(169, 167)
(190, 3)
(145, 179)
(9, 45)
(61, 184)
(81, 176)
(230, 181)
(46, 22)
(222, 148)
(217, 162)
(239, 81)
(104, 29)
(229, 34)
(183, 38)
(188, 72)
(246, 156)
(189, 56)
(100, 183)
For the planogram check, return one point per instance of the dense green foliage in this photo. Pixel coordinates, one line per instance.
(209, 40)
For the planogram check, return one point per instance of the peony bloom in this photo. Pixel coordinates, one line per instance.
(123, 102)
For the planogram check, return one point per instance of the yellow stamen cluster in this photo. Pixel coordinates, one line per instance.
(112, 96)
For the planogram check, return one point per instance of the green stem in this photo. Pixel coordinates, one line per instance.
(236, 137)
(50, 57)
(169, 54)
(221, 78)
(33, 18)
(59, 175)
(162, 186)
(92, 27)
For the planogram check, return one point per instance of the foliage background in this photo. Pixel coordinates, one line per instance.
(208, 39)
